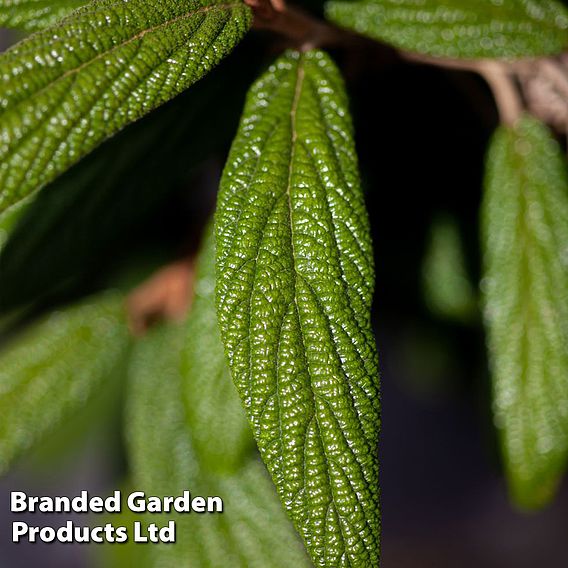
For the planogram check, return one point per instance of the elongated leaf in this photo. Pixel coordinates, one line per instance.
(64, 90)
(54, 367)
(295, 283)
(525, 235)
(447, 288)
(32, 15)
(100, 208)
(459, 28)
(253, 530)
(209, 391)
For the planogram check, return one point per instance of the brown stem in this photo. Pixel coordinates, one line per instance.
(166, 295)
(507, 97)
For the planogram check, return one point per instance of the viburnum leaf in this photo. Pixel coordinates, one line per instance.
(459, 28)
(209, 390)
(525, 238)
(67, 88)
(54, 367)
(164, 461)
(295, 284)
(32, 15)
(114, 200)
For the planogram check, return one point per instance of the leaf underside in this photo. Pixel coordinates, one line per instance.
(459, 28)
(295, 283)
(67, 88)
(33, 15)
(55, 367)
(525, 236)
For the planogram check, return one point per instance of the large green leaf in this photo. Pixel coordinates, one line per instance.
(295, 284)
(221, 445)
(253, 530)
(65, 89)
(117, 193)
(525, 238)
(54, 367)
(34, 15)
(459, 28)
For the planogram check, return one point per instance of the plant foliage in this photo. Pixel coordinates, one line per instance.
(55, 367)
(69, 88)
(525, 231)
(100, 109)
(32, 15)
(459, 28)
(176, 391)
(294, 294)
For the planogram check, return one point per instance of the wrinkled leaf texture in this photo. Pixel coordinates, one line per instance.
(32, 15)
(525, 241)
(220, 431)
(169, 413)
(295, 283)
(459, 28)
(105, 205)
(66, 89)
(448, 290)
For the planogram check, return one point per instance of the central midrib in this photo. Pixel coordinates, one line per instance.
(137, 36)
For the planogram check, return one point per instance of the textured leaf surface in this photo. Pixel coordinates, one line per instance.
(220, 444)
(295, 283)
(460, 28)
(447, 288)
(253, 531)
(525, 222)
(65, 89)
(32, 15)
(55, 367)
(116, 203)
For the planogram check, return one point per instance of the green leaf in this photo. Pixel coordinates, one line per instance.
(9, 219)
(66, 89)
(54, 367)
(459, 28)
(253, 530)
(525, 238)
(220, 444)
(447, 288)
(32, 15)
(295, 283)
(114, 201)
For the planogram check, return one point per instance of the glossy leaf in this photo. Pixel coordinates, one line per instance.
(295, 283)
(525, 238)
(54, 367)
(459, 28)
(64, 90)
(116, 203)
(209, 390)
(32, 15)
(253, 530)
